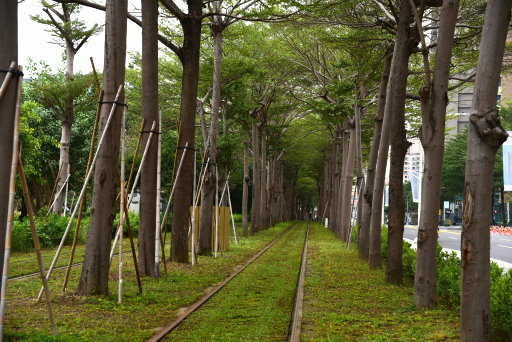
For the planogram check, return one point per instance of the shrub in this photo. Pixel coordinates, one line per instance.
(134, 224)
(408, 261)
(21, 240)
(448, 277)
(501, 302)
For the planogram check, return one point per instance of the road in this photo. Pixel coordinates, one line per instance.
(449, 238)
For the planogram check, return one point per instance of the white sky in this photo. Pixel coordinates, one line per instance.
(34, 41)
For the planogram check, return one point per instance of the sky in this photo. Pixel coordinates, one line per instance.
(34, 41)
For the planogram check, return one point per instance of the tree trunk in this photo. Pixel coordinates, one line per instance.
(65, 140)
(399, 147)
(65, 137)
(148, 195)
(485, 137)
(395, 104)
(8, 54)
(256, 193)
(94, 277)
(341, 186)
(208, 191)
(263, 180)
(432, 138)
(364, 229)
(183, 193)
(245, 189)
(348, 175)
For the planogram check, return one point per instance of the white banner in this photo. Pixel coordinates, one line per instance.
(507, 163)
(415, 186)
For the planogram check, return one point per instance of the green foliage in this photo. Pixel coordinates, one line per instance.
(134, 224)
(50, 229)
(448, 277)
(501, 302)
(408, 262)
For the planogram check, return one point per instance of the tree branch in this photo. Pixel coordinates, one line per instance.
(174, 48)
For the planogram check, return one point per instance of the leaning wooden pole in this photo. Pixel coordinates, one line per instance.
(137, 148)
(132, 245)
(194, 206)
(82, 202)
(130, 199)
(121, 210)
(232, 217)
(158, 198)
(37, 246)
(84, 187)
(10, 207)
(7, 79)
(216, 247)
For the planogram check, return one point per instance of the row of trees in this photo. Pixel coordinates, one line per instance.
(485, 136)
(315, 93)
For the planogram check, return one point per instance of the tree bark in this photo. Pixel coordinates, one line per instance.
(8, 54)
(189, 57)
(399, 147)
(364, 230)
(485, 137)
(432, 138)
(348, 176)
(148, 195)
(208, 191)
(395, 104)
(94, 277)
(245, 189)
(256, 193)
(263, 179)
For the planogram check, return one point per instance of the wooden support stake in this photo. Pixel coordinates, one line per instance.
(130, 199)
(158, 198)
(37, 246)
(81, 203)
(10, 206)
(82, 192)
(132, 245)
(7, 79)
(121, 211)
(232, 217)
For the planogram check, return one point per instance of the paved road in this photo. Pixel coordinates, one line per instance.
(449, 238)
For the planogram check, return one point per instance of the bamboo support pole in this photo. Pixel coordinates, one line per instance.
(194, 206)
(166, 214)
(216, 247)
(7, 79)
(137, 148)
(54, 187)
(232, 217)
(158, 198)
(96, 78)
(84, 187)
(121, 211)
(37, 246)
(58, 192)
(66, 194)
(132, 245)
(81, 203)
(130, 199)
(10, 206)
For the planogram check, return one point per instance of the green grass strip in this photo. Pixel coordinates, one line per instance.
(257, 304)
(99, 318)
(346, 301)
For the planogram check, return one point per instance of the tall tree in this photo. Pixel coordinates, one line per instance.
(189, 57)
(71, 34)
(8, 54)
(485, 137)
(364, 228)
(149, 104)
(434, 99)
(394, 107)
(94, 277)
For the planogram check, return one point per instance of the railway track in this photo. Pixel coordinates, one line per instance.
(295, 319)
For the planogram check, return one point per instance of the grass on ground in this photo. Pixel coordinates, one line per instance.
(139, 316)
(254, 306)
(346, 301)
